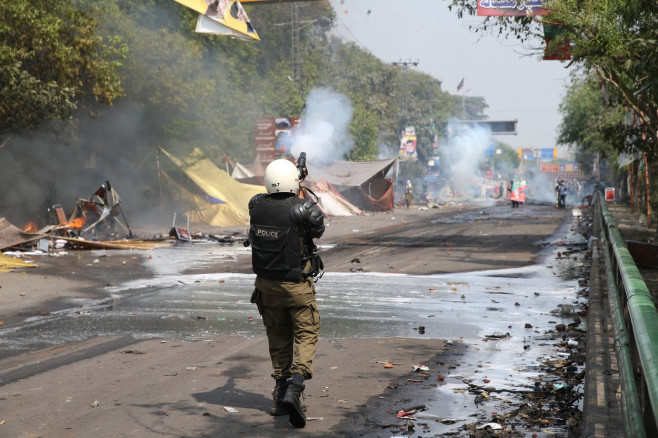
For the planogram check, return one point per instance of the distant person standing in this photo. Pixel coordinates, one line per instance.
(562, 194)
(515, 203)
(557, 194)
(408, 194)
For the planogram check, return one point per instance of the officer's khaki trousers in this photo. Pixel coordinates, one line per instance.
(292, 323)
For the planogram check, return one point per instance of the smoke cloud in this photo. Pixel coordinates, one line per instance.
(40, 170)
(324, 133)
(465, 149)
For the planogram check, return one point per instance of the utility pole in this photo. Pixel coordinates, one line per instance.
(405, 89)
(296, 55)
(464, 103)
(295, 45)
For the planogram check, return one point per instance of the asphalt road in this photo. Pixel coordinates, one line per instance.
(126, 385)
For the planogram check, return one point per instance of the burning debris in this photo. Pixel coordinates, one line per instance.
(98, 217)
(93, 220)
(97, 222)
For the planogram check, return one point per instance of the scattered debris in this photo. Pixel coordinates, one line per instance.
(407, 412)
(179, 233)
(98, 217)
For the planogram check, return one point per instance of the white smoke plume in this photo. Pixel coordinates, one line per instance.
(465, 149)
(324, 132)
(541, 188)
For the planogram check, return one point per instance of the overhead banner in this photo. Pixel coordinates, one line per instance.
(222, 17)
(570, 170)
(498, 8)
(408, 144)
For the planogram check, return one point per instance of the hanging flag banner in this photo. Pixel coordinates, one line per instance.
(408, 144)
(497, 8)
(222, 17)
(557, 46)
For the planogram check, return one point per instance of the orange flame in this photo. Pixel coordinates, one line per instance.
(77, 222)
(31, 227)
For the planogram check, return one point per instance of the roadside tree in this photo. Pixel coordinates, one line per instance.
(616, 40)
(592, 126)
(52, 62)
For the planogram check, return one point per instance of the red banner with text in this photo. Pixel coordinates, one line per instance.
(498, 8)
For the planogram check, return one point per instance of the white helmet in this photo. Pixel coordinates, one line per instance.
(281, 176)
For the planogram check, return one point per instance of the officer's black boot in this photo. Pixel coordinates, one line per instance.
(293, 405)
(277, 398)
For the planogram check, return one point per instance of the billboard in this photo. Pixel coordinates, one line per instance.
(222, 17)
(497, 8)
(272, 138)
(567, 171)
(408, 143)
(518, 189)
(527, 154)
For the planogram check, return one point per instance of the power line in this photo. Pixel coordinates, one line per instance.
(352, 34)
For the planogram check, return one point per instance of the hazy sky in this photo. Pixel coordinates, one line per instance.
(514, 85)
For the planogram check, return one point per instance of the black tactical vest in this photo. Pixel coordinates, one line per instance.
(275, 241)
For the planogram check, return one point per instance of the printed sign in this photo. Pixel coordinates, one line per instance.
(408, 144)
(272, 137)
(497, 8)
(518, 190)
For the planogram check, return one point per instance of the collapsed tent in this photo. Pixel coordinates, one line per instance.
(246, 176)
(215, 198)
(362, 183)
(249, 174)
(11, 235)
(8, 263)
(240, 172)
(330, 202)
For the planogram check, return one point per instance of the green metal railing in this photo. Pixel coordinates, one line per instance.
(635, 324)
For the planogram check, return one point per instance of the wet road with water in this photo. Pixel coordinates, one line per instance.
(488, 311)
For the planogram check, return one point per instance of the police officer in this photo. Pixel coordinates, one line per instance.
(282, 226)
